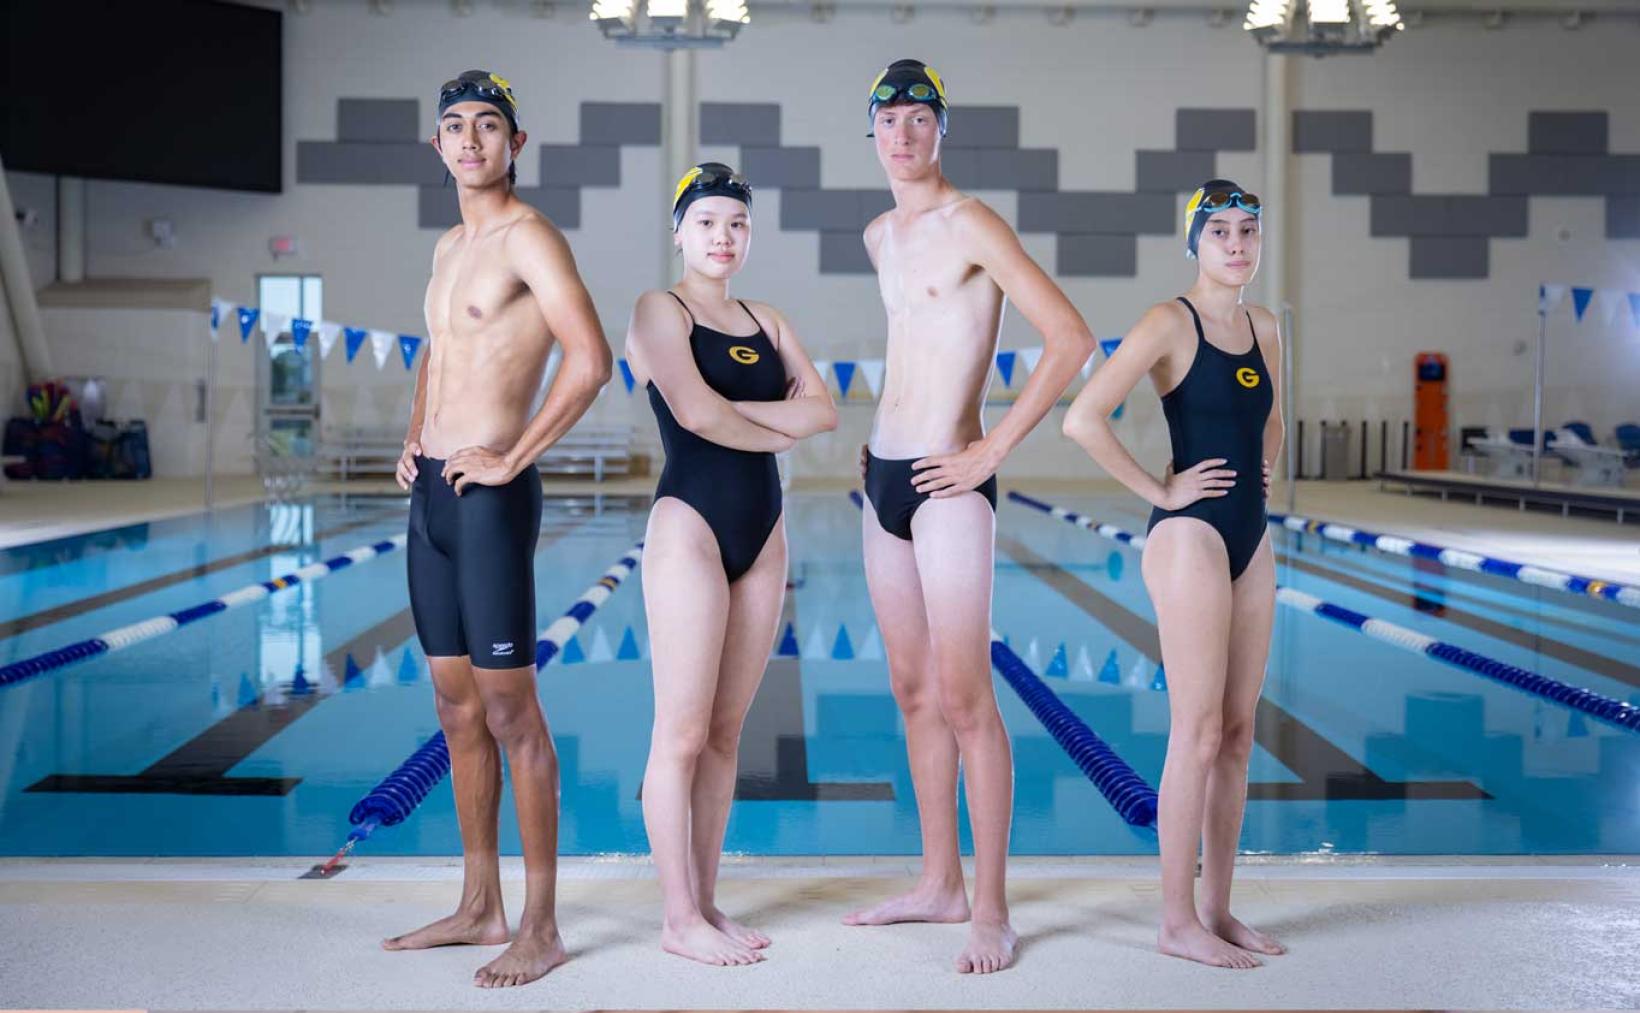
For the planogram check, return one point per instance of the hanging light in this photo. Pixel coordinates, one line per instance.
(670, 24)
(1322, 27)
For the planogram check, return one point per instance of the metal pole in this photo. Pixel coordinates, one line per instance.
(1288, 400)
(210, 426)
(1537, 399)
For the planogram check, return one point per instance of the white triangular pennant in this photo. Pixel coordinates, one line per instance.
(221, 310)
(381, 346)
(872, 649)
(328, 333)
(1550, 296)
(823, 366)
(872, 370)
(1082, 671)
(1607, 301)
(1033, 655)
(815, 649)
(1029, 357)
(274, 324)
(1087, 367)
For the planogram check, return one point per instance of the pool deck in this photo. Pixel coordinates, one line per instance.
(1437, 933)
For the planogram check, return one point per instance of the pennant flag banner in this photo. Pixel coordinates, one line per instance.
(381, 346)
(218, 308)
(626, 375)
(845, 375)
(1108, 345)
(872, 370)
(1580, 300)
(1607, 302)
(823, 367)
(299, 330)
(355, 339)
(1005, 366)
(274, 324)
(247, 320)
(1029, 357)
(408, 344)
(328, 333)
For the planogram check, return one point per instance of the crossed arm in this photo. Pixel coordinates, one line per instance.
(808, 408)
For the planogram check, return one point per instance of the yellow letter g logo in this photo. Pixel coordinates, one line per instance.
(743, 355)
(1247, 376)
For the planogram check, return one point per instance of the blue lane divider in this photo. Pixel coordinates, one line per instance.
(136, 633)
(1592, 587)
(396, 797)
(1617, 712)
(1129, 794)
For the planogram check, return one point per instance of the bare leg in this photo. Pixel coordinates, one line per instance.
(954, 541)
(753, 622)
(1252, 610)
(475, 772)
(1187, 574)
(513, 714)
(686, 598)
(896, 596)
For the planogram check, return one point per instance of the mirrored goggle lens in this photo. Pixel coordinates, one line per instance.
(884, 92)
(921, 92)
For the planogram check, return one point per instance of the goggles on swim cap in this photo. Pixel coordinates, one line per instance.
(1204, 202)
(907, 81)
(480, 86)
(709, 179)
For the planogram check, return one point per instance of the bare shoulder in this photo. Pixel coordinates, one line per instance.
(874, 229)
(534, 230)
(968, 212)
(449, 239)
(1164, 319)
(1265, 327)
(765, 312)
(657, 306)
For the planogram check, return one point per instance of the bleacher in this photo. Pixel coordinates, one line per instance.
(598, 452)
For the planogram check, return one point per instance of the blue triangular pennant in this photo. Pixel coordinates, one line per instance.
(247, 320)
(216, 317)
(1580, 300)
(626, 375)
(572, 652)
(354, 336)
(841, 649)
(1111, 672)
(845, 375)
(299, 330)
(628, 651)
(299, 684)
(788, 644)
(1005, 366)
(247, 691)
(1108, 346)
(409, 671)
(1059, 666)
(1159, 683)
(408, 343)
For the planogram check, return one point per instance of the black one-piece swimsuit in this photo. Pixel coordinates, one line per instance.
(737, 492)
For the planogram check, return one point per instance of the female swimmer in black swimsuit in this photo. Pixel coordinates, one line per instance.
(1207, 560)
(730, 386)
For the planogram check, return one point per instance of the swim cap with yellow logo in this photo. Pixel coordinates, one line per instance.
(908, 81)
(708, 179)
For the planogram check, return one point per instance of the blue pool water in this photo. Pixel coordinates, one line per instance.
(1363, 748)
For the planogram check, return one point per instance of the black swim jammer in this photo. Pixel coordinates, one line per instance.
(472, 566)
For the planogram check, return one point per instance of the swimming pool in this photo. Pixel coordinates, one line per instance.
(254, 731)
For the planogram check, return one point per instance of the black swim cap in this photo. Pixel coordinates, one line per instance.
(1197, 209)
(907, 81)
(708, 179)
(480, 86)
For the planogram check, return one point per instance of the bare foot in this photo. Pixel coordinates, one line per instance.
(990, 948)
(1230, 929)
(705, 943)
(922, 904)
(744, 935)
(1194, 942)
(530, 957)
(460, 929)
